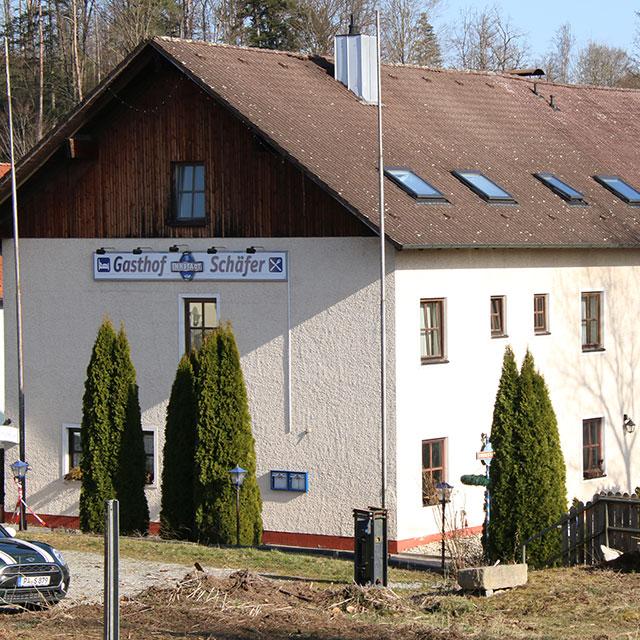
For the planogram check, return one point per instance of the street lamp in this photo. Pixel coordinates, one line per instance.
(19, 470)
(237, 478)
(444, 495)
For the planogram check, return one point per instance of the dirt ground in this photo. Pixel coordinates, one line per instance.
(556, 604)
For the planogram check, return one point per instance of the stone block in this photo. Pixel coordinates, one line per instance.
(490, 579)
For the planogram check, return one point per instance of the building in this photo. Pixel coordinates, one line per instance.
(201, 182)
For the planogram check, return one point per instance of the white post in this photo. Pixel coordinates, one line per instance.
(111, 570)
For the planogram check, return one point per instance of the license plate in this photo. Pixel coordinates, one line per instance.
(33, 581)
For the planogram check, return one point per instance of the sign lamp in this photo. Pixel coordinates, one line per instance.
(237, 478)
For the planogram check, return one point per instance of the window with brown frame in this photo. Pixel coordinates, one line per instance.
(201, 318)
(74, 447)
(432, 330)
(498, 324)
(592, 321)
(149, 456)
(592, 450)
(433, 469)
(540, 313)
(188, 193)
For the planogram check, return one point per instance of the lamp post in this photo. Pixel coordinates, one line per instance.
(19, 470)
(237, 478)
(444, 495)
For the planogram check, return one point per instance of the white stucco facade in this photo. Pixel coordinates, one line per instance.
(335, 368)
(335, 433)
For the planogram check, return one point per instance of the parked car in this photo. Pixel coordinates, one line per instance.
(31, 573)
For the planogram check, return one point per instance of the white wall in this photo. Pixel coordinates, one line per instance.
(455, 400)
(335, 366)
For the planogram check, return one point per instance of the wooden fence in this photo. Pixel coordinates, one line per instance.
(610, 519)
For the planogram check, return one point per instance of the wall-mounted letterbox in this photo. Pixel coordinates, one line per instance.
(290, 481)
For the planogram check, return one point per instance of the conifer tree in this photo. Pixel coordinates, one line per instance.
(500, 541)
(224, 440)
(130, 472)
(540, 482)
(177, 507)
(98, 457)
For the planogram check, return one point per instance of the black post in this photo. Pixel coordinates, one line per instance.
(237, 515)
(444, 506)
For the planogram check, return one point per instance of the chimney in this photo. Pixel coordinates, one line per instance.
(355, 64)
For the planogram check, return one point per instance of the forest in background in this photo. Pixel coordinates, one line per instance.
(60, 49)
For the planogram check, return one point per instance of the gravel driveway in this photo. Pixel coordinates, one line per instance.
(135, 575)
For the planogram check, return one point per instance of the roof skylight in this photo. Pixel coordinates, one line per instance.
(619, 187)
(561, 188)
(485, 188)
(414, 185)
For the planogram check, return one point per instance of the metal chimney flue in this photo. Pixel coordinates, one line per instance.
(355, 63)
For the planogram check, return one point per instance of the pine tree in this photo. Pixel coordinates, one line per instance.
(98, 456)
(273, 24)
(177, 508)
(540, 486)
(500, 541)
(130, 473)
(224, 439)
(426, 49)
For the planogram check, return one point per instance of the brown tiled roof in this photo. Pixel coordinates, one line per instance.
(434, 122)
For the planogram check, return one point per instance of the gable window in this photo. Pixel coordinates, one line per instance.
(432, 330)
(592, 449)
(592, 321)
(540, 313)
(498, 320)
(433, 469)
(201, 318)
(188, 192)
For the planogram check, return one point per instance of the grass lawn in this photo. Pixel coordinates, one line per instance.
(257, 560)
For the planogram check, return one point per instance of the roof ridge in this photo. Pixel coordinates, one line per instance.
(222, 45)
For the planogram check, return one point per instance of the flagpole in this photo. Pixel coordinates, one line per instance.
(18, 301)
(383, 293)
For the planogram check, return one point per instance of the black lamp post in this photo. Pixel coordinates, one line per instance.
(444, 495)
(19, 470)
(237, 478)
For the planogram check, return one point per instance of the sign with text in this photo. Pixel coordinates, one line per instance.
(191, 266)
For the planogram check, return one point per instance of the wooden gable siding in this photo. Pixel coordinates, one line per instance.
(251, 191)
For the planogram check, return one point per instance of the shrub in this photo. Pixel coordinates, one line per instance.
(177, 516)
(224, 439)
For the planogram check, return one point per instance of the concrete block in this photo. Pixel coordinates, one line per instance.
(490, 579)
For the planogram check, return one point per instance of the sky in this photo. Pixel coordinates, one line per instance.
(610, 21)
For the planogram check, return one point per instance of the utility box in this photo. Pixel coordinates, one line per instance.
(370, 546)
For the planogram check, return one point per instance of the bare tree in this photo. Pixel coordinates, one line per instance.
(602, 65)
(407, 35)
(558, 61)
(486, 40)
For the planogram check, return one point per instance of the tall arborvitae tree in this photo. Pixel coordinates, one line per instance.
(501, 539)
(177, 508)
(541, 497)
(98, 455)
(130, 476)
(224, 440)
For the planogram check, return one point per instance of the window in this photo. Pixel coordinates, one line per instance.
(201, 318)
(149, 438)
(561, 188)
(540, 314)
(74, 448)
(433, 469)
(592, 321)
(620, 188)
(414, 185)
(188, 193)
(592, 455)
(482, 186)
(432, 330)
(498, 326)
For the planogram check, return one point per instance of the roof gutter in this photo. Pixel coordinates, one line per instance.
(417, 247)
